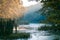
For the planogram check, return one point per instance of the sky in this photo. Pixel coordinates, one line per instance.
(27, 3)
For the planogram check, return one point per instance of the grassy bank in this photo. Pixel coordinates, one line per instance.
(16, 36)
(49, 28)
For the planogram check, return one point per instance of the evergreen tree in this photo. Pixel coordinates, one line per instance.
(51, 8)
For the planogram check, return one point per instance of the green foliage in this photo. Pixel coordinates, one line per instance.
(6, 26)
(19, 35)
(50, 28)
(16, 36)
(51, 8)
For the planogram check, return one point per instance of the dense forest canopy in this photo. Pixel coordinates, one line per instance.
(51, 8)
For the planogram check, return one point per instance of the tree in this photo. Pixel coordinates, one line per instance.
(10, 10)
(51, 8)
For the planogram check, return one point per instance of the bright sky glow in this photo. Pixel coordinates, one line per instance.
(26, 3)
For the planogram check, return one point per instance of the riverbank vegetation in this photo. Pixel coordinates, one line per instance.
(16, 36)
(51, 9)
(51, 28)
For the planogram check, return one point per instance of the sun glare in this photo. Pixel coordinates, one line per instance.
(26, 3)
